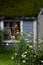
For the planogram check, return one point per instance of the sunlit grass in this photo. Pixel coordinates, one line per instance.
(5, 59)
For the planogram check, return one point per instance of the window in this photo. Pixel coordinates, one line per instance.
(27, 27)
(12, 29)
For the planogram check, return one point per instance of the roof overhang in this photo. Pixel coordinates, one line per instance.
(17, 18)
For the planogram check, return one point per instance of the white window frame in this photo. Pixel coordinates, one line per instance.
(2, 25)
(21, 26)
(35, 30)
(35, 34)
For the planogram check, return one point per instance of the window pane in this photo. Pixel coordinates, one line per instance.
(13, 28)
(27, 27)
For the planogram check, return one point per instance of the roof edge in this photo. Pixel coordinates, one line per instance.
(16, 18)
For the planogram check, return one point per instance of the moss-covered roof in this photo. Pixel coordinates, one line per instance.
(20, 7)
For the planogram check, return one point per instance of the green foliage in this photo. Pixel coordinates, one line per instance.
(24, 53)
(1, 38)
(1, 35)
(20, 8)
(40, 49)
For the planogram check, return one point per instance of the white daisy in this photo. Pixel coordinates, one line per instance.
(12, 57)
(31, 46)
(24, 61)
(15, 54)
(7, 44)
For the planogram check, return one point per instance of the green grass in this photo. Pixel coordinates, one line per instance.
(5, 59)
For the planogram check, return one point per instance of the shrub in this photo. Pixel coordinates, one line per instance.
(24, 53)
(1, 38)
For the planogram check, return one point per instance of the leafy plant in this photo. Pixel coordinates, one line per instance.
(1, 38)
(24, 53)
(1, 35)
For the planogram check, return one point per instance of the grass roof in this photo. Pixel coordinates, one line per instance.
(20, 7)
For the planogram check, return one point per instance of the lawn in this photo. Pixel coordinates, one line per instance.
(5, 59)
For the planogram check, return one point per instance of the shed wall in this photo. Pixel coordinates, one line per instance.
(40, 27)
